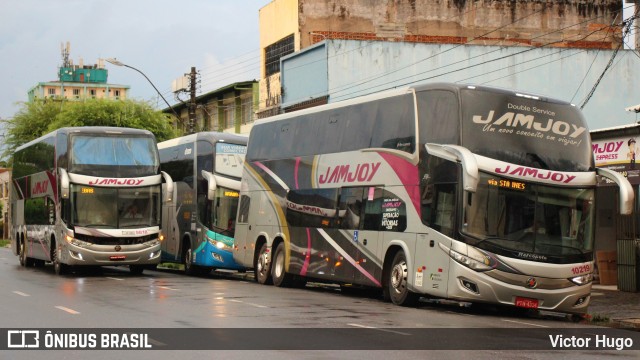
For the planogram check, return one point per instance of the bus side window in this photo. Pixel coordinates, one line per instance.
(373, 208)
(350, 207)
(438, 193)
(243, 213)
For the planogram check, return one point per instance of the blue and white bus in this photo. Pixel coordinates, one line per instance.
(200, 223)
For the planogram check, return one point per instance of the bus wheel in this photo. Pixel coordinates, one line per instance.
(24, 259)
(398, 277)
(136, 269)
(187, 259)
(262, 267)
(278, 273)
(58, 267)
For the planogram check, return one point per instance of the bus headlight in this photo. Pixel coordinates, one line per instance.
(75, 242)
(472, 264)
(219, 244)
(582, 279)
(476, 260)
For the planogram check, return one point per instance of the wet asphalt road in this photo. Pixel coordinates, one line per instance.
(113, 298)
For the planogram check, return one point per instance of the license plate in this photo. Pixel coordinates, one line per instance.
(117, 257)
(526, 303)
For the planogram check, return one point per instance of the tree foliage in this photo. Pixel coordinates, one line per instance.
(38, 118)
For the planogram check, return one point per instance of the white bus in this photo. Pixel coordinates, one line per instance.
(199, 224)
(440, 190)
(88, 196)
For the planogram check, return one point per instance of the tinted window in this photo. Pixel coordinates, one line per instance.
(178, 163)
(526, 131)
(312, 207)
(438, 193)
(439, 118)
(36, 158)
(243, 212)
(113, 156)
(350, 207)
(386, 123)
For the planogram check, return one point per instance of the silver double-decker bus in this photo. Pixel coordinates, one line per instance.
(441, 190)
(88, 196)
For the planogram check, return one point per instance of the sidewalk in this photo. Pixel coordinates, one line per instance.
(611, 307)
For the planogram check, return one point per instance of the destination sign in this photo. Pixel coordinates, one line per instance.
(507, 184)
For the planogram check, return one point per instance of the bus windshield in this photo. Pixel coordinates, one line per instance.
(223, 214)
(95, 207)
(538, 222)
(104, 155)
(524, 130)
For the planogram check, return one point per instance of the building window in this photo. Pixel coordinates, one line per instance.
(52, 91)
(116, 93)
(92, 92)
(76, 93)
(247, 110)
(275, 51)
(229, 117)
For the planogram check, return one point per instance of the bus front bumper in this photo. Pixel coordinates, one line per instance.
(468, 285)
(110, 255)
(208, 255)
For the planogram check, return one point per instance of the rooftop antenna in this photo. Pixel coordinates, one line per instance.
(65, 54)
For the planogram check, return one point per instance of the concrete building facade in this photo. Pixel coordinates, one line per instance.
(78, 82)
(336, 70)
(231, 108)
(287, 26)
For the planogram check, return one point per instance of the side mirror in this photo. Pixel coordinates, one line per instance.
(64, 183)
(211, 184)
(625, 190)
(168, 193)
(463, 156)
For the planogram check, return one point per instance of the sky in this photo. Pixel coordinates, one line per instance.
(161, 38)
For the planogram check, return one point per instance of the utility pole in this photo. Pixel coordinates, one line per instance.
(192, 102)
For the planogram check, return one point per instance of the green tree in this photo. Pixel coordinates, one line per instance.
(37, 118)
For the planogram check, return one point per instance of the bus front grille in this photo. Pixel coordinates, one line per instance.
(97, 240)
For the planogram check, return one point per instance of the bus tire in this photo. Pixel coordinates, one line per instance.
(262, 266)
(187, 260)
(58, 267)
(24, 259)
(398, 282)
(136, 269)
(280, 277)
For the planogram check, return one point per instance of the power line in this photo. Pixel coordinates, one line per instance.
(613, 56)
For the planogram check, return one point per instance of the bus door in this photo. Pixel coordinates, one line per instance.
(360, 210)
(170, 230)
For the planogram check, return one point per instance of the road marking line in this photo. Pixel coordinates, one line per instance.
(252, 304)
(525, 323)
(375, 328)
(70, 311)
(21, 293)
(112, 278)
(167, 288)
(457, 313)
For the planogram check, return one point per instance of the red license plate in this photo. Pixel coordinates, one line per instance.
(526, 303)
(117, 257)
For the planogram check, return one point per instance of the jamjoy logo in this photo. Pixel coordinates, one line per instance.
(23, 339)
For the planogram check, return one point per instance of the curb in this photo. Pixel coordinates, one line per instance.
(627, 323)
